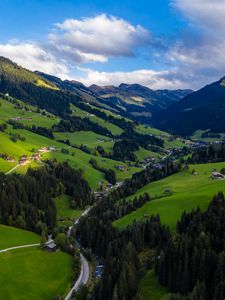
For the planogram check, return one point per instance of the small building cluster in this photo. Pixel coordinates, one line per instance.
(36, 156)
(217, 175)
(23, 161)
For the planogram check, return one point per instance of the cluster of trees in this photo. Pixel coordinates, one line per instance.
(149, 174)
(36, 129)
(209, 134)
(26, 201)
(130, 141)
(121, 122)
(112, 211)
(124, 150)
(110, 175)
(73, 123)
(143, 140)
(3, 127)
(119, 251)
(194, 259)
(73, 183)
(16, 136)
(212, 153)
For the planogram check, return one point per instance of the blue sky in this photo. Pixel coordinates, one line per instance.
(161, 44)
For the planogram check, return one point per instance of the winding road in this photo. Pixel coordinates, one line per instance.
(82, 279)
(84, 272)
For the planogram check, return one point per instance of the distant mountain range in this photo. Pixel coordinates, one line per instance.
(203, 109)
(178, 111)
(131, 100)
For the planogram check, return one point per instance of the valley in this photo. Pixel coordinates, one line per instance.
(86, 182)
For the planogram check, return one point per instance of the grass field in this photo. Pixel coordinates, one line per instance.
(29, 118)
(81, 113)
(188, 192)
(31, 273)
(169, 142)
(79, 160)
(5, 166)
(150, 289)
(87, 138)
(64, 210)
(11, 237)
(142, 153)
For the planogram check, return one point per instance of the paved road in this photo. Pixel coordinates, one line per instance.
(83, 278)
(18, 247)
(84, 272)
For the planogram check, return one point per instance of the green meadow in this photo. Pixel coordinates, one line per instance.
(81, 113)
(87, 138)
(64, 210)
(28, 118)
(142, 153)
(31, 273)
(11, 237)
(169, 142)
(187, 192)
(150, 289)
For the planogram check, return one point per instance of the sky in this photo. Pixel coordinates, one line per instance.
(163, 44)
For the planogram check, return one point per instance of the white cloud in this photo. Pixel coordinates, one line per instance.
(152, 79)
(208, 14)
(192, 61)
(97, 38)
(200, 59)
(34, 57)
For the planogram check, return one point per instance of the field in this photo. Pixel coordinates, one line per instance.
(150, 289)
(77, 158)
(169, 141)
(31, 273)
(188, 192)
(29, 118)
(64, 210)
(11, 237)
(86, 138)
(142, 153)
(81, 113)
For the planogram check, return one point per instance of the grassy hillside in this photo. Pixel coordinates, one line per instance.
(11, 237)
(150, 289)
(188, 191)
(64, 210)
(28, 117)
(86, 138)
(170, 141)
(31, 273)
(83, 114)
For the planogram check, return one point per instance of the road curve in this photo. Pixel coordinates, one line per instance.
(18, 247)
(84, 272)
(83, 278)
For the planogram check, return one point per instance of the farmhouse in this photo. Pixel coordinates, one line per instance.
(43, 150)
(52, 148)
(36, 156)
(217, 175)
(23, 161)
(50, 246)
(10, 159)
(121, 168)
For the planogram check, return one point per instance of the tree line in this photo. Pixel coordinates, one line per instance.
(27, 201)
(193, 261)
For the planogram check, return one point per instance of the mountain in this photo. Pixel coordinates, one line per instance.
(136, 100)
(203, 109)
(129, 100)
(32, 88)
